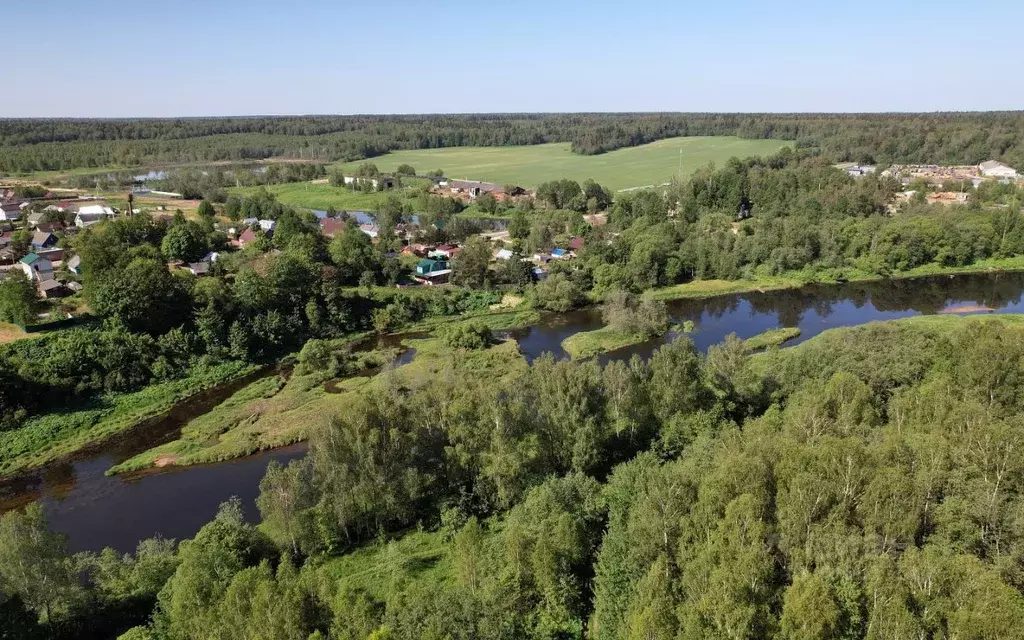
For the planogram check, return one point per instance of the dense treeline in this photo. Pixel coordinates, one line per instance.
(864, 485)
(31, 145)
(807, 216)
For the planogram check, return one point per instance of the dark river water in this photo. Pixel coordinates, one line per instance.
(96, 511)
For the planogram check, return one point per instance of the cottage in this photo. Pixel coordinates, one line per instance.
(10, 212)
(996, 169)
(268, 226)
(503, 254)
(35, 218)
(444, 251)
(415, 249)
(50, 227)
(576, 243)
(54, 255)
(43, 240)
(245, 238)
(74, 265)
(370, 229)
(332, 227)
(199, 268)
(432, 271)
(36, 267)
(51, 289)
(428, 266)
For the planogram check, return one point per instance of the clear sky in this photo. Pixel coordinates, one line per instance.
(106, 58)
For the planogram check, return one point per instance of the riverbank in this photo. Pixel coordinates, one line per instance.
(587, 344)
(271, 413)
(699, 289)
(61, 435)
(771, 338)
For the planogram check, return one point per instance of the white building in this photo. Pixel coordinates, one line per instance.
(996, 169)
(91, 214)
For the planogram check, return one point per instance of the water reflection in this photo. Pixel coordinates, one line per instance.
(813, 309)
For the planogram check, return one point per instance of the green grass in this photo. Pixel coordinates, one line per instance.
(375, 569)
(321, 196)
(586, 344)
(712, 288)
(530, 165)
(54, 436)
(796, 279)
(771, 338)
(267, 414)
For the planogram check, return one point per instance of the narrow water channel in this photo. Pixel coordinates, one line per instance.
(97, 511)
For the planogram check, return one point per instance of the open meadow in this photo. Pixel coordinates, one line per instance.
(528, 166)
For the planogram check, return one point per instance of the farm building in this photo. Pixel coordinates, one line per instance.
(996, 169)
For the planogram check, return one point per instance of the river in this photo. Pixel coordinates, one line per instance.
(97, 511)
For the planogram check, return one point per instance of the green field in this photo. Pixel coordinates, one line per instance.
(318, 196)
(531, 165)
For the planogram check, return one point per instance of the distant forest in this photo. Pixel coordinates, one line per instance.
(63, 144)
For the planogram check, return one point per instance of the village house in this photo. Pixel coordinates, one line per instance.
(446, 251)
(43, 240)
(331, 227)
(503, 254)
(36, 267)
(370, 229)
(35, 218)
(576, 243)
(51, 289)
(416, 249)
(199, 268)
(244, 238)
(10, 212)
(74, 265)
(432, 271)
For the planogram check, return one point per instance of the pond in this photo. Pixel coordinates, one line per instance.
(97, 511)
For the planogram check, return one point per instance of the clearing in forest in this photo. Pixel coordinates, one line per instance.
(649, 164)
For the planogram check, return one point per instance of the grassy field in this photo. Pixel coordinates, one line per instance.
(531, 165)
(771, 338)
(586, 344)
(54, 436)
(320, 196)
(794, 280)
(270, 413)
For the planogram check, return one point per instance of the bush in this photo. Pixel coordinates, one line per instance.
(466, 335)
(623, 312)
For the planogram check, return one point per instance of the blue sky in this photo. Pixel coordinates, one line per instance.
(109, 58)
